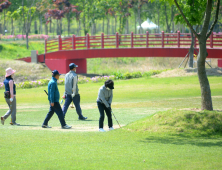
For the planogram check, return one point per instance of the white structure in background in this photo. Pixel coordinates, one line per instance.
(148, 25)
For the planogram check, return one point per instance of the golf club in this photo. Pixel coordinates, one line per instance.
(46, 92)
(115, 118)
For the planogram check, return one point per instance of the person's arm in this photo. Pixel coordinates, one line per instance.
(111, 98)
(52, 92)
(102, 97)
(11, 83)
(74, 86)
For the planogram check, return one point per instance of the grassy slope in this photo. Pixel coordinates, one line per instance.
(15, 50)
(29, 147)
(24, 70)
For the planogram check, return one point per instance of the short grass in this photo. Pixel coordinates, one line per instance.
(135, 103)
(15, 50)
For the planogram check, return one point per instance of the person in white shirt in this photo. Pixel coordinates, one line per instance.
(72, 92)
(104, 101)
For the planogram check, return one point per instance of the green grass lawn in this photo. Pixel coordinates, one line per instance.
(15, 50)
(136, 103)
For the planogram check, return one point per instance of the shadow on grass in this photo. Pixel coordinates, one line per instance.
(200, 141)
(91, 75)
(84, 120)
(30, 125)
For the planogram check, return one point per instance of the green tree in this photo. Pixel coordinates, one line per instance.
(194, 10)
(4, 4)
(206, 100)
(25, 14)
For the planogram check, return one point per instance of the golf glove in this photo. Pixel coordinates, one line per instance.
(73, 95)
(11, 99)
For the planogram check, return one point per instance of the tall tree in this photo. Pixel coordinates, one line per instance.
(25, 14)
(61, 7)
(195, 10)
(206, 100)
(4, 4)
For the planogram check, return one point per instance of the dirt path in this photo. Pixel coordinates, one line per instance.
(188, 72)
(75, 128)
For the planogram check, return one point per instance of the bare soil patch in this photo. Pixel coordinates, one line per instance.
(188, 72)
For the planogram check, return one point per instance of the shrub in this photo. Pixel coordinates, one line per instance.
(137, 74)
(127, 75)
(118, 75)
(151, 73)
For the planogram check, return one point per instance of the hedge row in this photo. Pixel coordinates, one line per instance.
(82, 80)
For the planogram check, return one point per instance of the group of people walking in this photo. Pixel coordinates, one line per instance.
(71, 94)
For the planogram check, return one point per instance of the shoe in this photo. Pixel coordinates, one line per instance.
(101, 130)
(111, 128)
(66, 127)
(82, 118)
(2, 120)
(14, 124)
(46, 126)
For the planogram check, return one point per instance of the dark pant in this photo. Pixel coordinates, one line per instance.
(76, 101)
(56, 108)
(103, 108)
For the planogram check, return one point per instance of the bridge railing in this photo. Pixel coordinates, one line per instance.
(173, 40)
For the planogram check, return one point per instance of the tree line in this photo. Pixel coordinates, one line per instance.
(88, 16)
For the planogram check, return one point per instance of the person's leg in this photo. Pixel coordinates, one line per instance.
(102, 115)
(49, 115)
(109, 116)
(76, 101)
(58, 110)
(66, 104)
(8, 113)
(13, 111)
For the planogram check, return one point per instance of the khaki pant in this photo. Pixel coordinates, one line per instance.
(12, 110)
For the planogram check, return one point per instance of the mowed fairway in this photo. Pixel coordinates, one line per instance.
(30, 147)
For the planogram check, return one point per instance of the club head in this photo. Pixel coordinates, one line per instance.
(61, 101)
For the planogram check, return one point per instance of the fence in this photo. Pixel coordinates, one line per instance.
(172, 40)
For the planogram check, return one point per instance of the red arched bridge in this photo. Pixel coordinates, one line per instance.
(60, 52)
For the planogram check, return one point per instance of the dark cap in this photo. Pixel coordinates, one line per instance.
(72, 65)
(109, 84)
(55, 72)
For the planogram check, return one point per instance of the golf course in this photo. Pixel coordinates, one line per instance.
(162, 127)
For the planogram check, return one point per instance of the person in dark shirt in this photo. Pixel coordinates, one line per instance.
(53, 97)
(10, 97)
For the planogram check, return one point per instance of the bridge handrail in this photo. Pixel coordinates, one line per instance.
(128, 41)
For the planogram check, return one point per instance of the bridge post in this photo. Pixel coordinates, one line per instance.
(211, 40)
(45, 46)
(147, 39)
(131, 39)
(60, 42)
(73, 42)
(102, 40)
(162, 38)
(178, 38)
(117, 40)
(87, 41)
